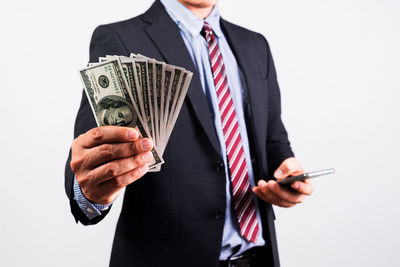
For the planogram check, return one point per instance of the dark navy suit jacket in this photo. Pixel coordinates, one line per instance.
(176, 217)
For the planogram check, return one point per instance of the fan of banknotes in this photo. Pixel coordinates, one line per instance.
(138, 92)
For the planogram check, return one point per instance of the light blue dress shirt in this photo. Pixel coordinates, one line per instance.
(90, 209)
(190, 28)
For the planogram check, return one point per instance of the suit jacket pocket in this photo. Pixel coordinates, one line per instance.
(149, 224)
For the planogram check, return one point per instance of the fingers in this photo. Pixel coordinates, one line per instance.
(290, 166)
(107, 134)
(106, 192)
(104, 153)
(118, 167)
(106, 159)
(272, 193)
(305, 187)
(111, 187)
(284, 194)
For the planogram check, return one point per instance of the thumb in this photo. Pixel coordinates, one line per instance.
(282, 172)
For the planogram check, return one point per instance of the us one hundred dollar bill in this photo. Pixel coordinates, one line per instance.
(137, 92)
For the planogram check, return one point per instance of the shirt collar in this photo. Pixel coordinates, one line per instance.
(186, 20)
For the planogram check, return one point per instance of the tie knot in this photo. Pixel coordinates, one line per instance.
(206, 31)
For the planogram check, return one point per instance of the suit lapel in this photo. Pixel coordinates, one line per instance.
(247, 59)
(166, 37)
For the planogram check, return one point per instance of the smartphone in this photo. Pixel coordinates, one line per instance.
(288, 181)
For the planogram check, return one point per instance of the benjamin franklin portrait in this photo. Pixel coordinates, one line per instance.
(116, 110)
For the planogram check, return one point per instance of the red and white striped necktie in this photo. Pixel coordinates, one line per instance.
(242, 197)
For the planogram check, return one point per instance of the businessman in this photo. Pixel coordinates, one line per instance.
(211, 203)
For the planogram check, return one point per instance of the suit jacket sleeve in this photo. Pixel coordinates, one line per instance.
(278, 145)
(104, 42)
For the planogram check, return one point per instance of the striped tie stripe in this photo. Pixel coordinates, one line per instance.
(242, 197)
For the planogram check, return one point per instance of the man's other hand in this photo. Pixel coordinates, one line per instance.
(272, 193)
(106, 159)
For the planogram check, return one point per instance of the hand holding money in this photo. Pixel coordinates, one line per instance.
(137, 92)
(106, 159)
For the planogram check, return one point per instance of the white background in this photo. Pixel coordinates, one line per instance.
(338, 67)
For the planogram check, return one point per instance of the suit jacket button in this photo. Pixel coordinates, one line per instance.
(220, 166)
